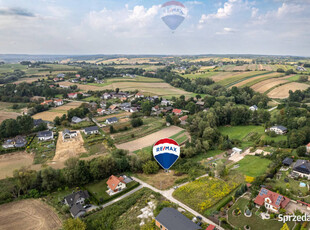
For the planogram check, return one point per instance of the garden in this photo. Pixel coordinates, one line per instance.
(253, 166)
(43, 150)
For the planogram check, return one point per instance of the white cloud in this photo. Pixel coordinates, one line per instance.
(226, 30)
(254, 12)
(288, 9)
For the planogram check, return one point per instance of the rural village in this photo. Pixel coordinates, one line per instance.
(77, 138)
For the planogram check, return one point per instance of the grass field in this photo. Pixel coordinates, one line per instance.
(239, 78)
(255, 80)
(255, 222)
(203, 193)
(253, 166)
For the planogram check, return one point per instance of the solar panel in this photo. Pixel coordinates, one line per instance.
(279, 200)
(263, 192)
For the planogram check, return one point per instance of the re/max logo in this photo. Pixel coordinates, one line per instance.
(167, 148)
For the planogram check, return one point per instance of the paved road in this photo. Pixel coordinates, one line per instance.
(122, 197)
(168, 194)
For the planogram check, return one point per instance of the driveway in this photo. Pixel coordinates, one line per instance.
(291, 207)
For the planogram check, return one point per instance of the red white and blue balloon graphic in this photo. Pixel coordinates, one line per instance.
(173, 14)
(166, 152)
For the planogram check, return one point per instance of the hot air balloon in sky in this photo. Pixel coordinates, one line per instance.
(173, 14)
(166, 152)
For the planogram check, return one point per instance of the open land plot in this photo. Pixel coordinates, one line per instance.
(199, 75)
(160, 89)
(253, 166)
(263, 86)
(254, 80)
(283, 91)
(70, 148)
(161, 180)
(240, 132)
(219, 76)
(204, 193)
(50, 115)
(8, 115)
(118, 115)
(11, 161)
(82, 87)
(255, 222)
(136, 79)
(29, 79)
(28, 215)
(150, 139)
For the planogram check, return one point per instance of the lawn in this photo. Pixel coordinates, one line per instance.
(43, 150)
(246, 134)
(205, 192)
(255, 222)
(98, 190)
(253, 166)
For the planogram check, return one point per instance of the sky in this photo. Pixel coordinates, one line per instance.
(270, 27)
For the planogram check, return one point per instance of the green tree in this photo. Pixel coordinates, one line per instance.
(169, 119)
(74, 224)
(301, 151)
(150, 167)
(24, 178)
(136, 122)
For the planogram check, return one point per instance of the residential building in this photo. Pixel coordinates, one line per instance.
(308, 147)
(66, 134)
(253, 108)
(183, 120)
(200, 103)
(37, 122)
(91, 130)
(177, 112)
(287, 161)
(111, 120)
(139, 95)
(58, 102)
(302, 168)
(45, 135)
(100, 111)
(75, 202)
(115, 184)
(278, 129)
(171, 219)
(271, 200)
(133, 109)
(16, 142)
(106, 96)
(47, 102)
(211, 227)
(72, 95)
(165, 102)
(76, 120)
(236, 150)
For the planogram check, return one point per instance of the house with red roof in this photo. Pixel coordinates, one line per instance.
(47, 102)
(58, 102)
(308, 147)
(115, 184)
(210, 227)
(177, 112)
(139, 95)
(73, 95)
(271, 200)
(100, 111)
(183, 119)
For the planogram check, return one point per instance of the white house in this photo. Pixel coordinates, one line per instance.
(302, 168)
(58, 102)
(236, 150)
(115, 184)
(253, 108)
(111, 120)
(91, 130)
(278, 129)
(45, 135)
(165, 102)
(66, 134)
(308, 147)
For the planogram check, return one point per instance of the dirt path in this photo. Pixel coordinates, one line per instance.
(28, 215)
(149, 139)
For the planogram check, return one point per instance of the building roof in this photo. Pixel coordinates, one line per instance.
(76, 209)
(170, 218)
(302, 166)
(308, 145)
(73, 197)
(76, 119)
(37, 122)
(177, 111)
(90, 129)
(210, 227)
(254, 107)
(276, 199)
(45, 134)
(184, 118)
(113, 181)
(280, 127)
(112, 119)
(287, 161)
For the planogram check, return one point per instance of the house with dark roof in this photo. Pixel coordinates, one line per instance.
(271, 200)
(302, 168)
(16, 142)
(278, 129)
(171, 219)
(253, 108)
(37, 122)
(45, 135)
(287, 161)
(67, 134)
(75, 201)
(76, 120)
(111, 120)
(91, 130)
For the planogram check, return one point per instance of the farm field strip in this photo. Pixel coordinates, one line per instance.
(234, 80)
(283, 91)
(263, 86)
(252, 81)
